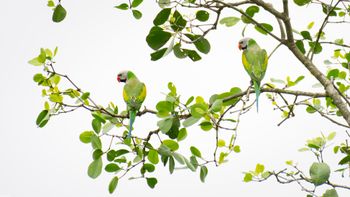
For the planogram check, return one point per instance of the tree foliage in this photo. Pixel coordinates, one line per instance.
(180, 27)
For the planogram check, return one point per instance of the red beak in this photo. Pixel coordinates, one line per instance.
(118, 78)
(239, 47)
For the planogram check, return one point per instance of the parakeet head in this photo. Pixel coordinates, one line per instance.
(122, 76)
(243, 43)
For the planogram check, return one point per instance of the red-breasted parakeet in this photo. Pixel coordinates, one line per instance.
(254, 60)
(134, 93)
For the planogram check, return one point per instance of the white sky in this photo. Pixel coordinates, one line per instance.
(95, 42)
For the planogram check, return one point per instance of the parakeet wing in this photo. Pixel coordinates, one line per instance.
(255, 62)
(134, 94)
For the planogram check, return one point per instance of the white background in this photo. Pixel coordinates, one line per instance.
(95, 42)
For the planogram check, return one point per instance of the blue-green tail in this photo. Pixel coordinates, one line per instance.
(257, 93)
(132, 116)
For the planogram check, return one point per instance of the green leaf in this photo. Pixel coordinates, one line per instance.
(342, 75)
(137, 14)
(107, 127)
(35, 62)
(246, 20)
(85, 95)
(222, 157)
(345, 160)
(136, 3)
(206, 125)
(252, 10)
(164, 159)
(122, 6)
(171, 144)
(339, 41)
(328, 10)
(158, 54)
(85, 136)
(237, 149)
(330, 193)
(190, 121)
(153, 156)
(48, 53)
(200, 43)
(113, 184)
(203, 173)
(42, 118)
(162, 16)
(333, 73)
(157, 38)
(151, 182)
(221, 143)
(50, 3)
(217, 105)
(163, 3)
(189, 100)
(121, 152)
(300, 46)
(174, 130)
(192, 54)
(95, 168)
(59, 14)
(229, 21)
(55, 79)
(264, 29)
(306, 35)
(195, 151)
(165, 124)
(190, 165)
(194, 161)
(341, 14)
(55, 51)
(111, 155)
(112, 167)
(301, 2)
(56, 98)
(97, 154)
(198, 110)
(310, 109)
(96, 142)
(182, 134)
(164, 107)
(42, 56)
(248, 177)
(179, 158)
(299, 79)
(147, 167)
(96, 125)
(259, 168)
(202, 15)
(331, 136)
(319, 173)
(336, 149)
(164, 150)
(178, 52)
(317, 48)
(178, 23)
(171, 165)
(310, 25)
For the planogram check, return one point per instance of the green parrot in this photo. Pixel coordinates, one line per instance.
(254, 60)
(134, 93)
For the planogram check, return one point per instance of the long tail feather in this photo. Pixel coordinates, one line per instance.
(132, 116)
(257, 93)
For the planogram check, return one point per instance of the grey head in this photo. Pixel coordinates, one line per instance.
(243, 43)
